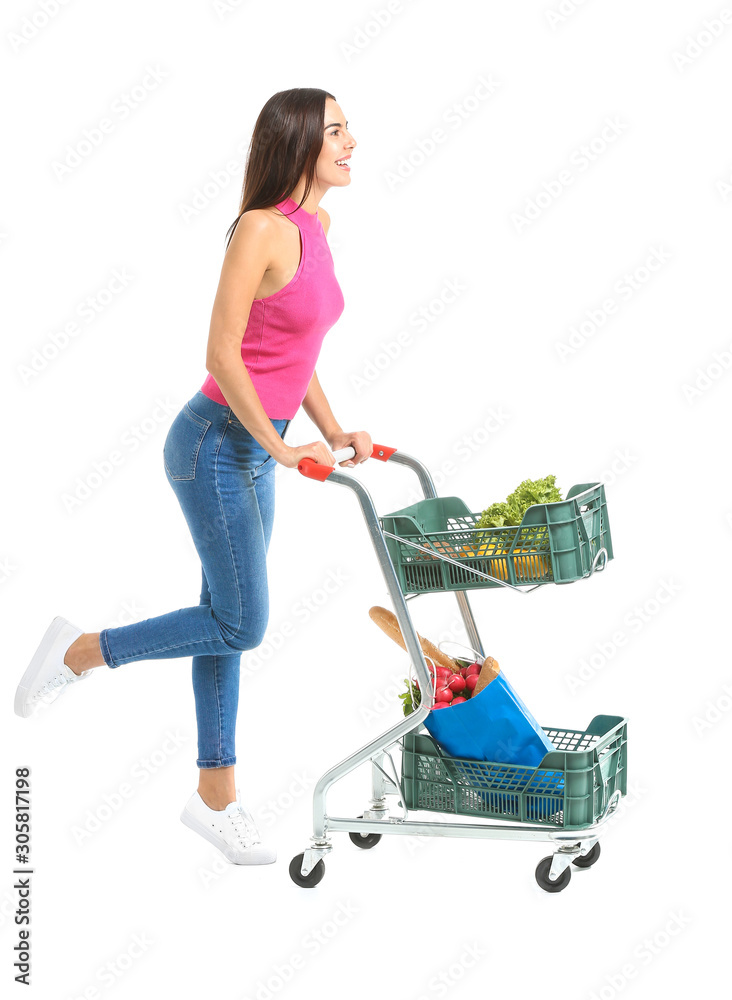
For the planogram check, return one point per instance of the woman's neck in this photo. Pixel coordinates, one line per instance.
(313, 199)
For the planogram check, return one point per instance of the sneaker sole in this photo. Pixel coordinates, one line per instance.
(52, 633)
(230, 853)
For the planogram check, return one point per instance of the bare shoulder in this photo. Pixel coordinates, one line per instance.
(324, 219)
(258, 221)
(256, 232)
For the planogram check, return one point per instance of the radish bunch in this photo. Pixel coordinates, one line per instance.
(451, 687)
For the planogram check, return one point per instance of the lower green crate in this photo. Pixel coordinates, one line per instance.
(570, 788)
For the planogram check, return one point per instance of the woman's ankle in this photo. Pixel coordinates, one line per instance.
(84, 653)
(216, 786)
(214, 802)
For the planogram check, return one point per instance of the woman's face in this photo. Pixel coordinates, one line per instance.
(338, 144)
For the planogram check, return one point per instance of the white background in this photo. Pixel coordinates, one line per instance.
(640, 402)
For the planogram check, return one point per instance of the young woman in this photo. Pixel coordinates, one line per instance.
(277, 298)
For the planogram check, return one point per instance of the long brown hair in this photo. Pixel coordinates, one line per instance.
(286, 142)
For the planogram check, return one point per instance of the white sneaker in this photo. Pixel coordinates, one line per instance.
(232, 830)
(48, 676)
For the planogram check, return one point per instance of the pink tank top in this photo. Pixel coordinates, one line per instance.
(285, 330)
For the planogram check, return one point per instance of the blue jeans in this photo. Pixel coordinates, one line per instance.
(225, 483)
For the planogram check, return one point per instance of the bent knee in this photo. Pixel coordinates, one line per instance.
(249, 634)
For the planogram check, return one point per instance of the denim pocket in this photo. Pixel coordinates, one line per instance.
(250, 455)
(270, 462)
(265, 467)
(180, 451)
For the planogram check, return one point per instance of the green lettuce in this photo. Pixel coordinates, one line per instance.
(512, 510)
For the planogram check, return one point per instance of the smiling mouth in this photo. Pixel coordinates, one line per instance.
(343, 164)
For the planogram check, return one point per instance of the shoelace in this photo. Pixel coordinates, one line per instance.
(58, 680)
(244, 826)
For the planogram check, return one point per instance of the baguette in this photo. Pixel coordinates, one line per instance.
(488, 672)
(387, 621)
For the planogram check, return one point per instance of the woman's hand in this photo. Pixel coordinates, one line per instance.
(360, 440)
(317, 450)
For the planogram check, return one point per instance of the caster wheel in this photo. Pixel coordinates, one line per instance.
(365, 840)
(542, 877)
(589, 859)
(306, 881)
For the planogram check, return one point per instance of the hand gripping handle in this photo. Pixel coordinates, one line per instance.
(316, 470)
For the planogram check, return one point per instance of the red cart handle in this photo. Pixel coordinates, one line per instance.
(319, 471)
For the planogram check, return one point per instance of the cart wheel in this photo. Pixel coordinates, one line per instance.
(365, 840)
(306, 881)
(542, 877)
(589, 859)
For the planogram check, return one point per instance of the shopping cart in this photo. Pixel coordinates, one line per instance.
(433, 546)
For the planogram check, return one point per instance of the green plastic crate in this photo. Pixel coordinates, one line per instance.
(569, 789)
(555, 543)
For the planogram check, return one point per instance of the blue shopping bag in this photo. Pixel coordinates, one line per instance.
(493, 725)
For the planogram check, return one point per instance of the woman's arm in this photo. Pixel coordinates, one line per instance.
(318, 409)
(247, 257)
(315, 404)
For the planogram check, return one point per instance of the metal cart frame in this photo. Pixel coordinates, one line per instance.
(308, 868)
